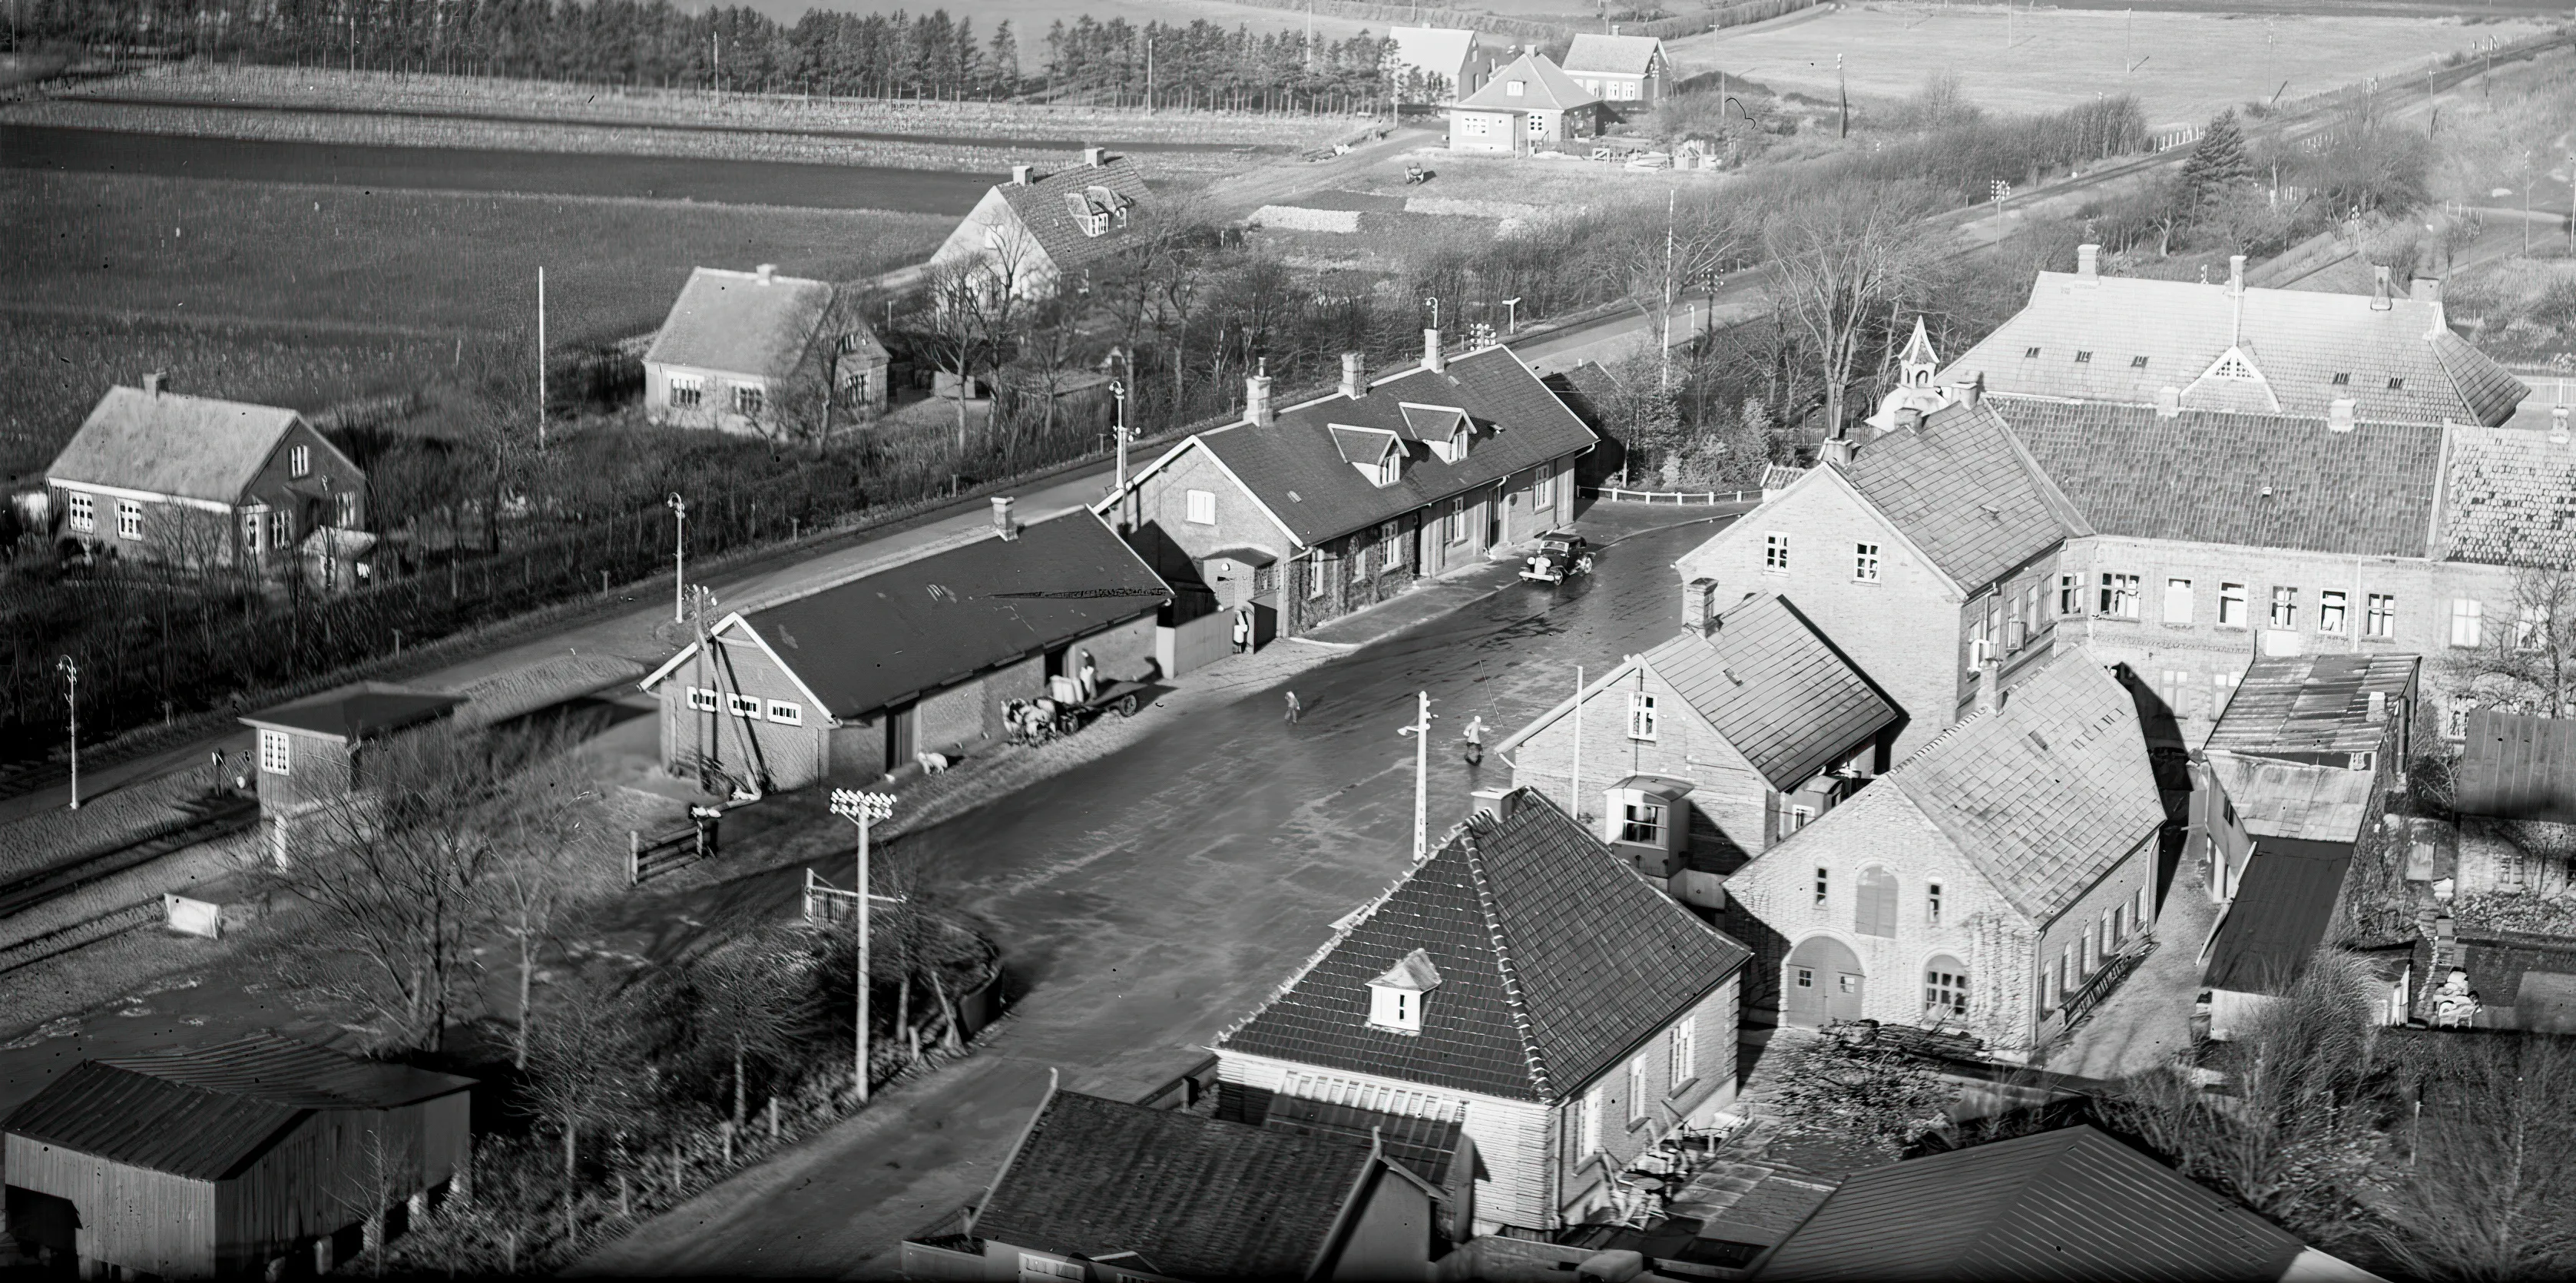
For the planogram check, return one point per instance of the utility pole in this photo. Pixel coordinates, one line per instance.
(1511, 316)
(865, 809)
(1420, 730)
(1118, 390)
(71, 673)
(679, 559)
(1665, 379)
(2526, 202)
(1574, 786)
(541, 359)
(1842, 88)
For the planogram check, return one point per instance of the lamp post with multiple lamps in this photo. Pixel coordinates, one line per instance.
(863, 809)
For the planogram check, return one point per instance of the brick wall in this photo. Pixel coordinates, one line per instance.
(1631, 1122)
(1728, 790)
(789, 755)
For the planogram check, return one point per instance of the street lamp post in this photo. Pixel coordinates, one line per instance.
(679, 559)
(1118, 391)
(864, 809)
(1420, 730)
(1434, 305)
(71, 673)
(1511, 315)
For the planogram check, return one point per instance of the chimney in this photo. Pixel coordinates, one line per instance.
(1990, 684)
(2558, 424)
(2339, 414)
(1614, 28)
(1975, 393)
(1020, 175)
(767, 272)
(1256, 398)
(1837, 451)
(1002, 522)
(1354, 376)
(2088, 264)
(1699, 606)
(2235, 273)
(2378, 707)
(2426, 288)
(2379, 288)
(1433, 358)
(2168, 402)
(1095, 157)
(157, 382)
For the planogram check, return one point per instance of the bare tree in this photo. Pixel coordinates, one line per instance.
(2527, 664)
(969, 311)
(751, 1000)
(2487, 1189)
(1838, 1087)
(1842, 261)
(581, 1064)
(818, 400)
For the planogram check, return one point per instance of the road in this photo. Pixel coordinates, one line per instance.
(1156, 895)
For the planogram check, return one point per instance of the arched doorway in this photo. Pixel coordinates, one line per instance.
(1822, 983)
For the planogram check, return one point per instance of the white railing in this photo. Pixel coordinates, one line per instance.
(1613, 494)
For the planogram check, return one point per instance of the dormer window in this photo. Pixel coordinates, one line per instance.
(1514, 89)
(1390, 469)
(1396, 998)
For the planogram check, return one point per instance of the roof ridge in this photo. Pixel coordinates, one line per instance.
(1536, 1057)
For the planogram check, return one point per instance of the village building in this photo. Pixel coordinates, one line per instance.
(2514, 793)
(311, 752)
(1436, 65)
(2067, 1206)
(1040, 234)
(1626, 72)
(203, 484)
(1524, 983)
(238, 1159)
(1291, 518)
(1989, 883)
(740, 351)
(1712, 746)
(1530, 105)
(922, 656)
(1117, 1193)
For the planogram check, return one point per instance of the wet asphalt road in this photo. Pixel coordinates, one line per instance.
(1149, 899)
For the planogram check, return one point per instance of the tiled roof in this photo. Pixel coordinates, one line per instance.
(2070, 1205)
(1044, 209)
(208, 1112)
(358, 712)
(1295, 466)
(1555, 961)
(2516, 767)
(1963, 491)
(1544, 87)
(2254, 480)
(2043, 794)
(1600, 54)
(2509, 498)
(2313, 703)
(1772, 684)
(2398, 365)
(2279, 916)
(732, 323)
(1427, 1145)
(2302, 800)
(1194, 1197)
(1441, 51)
(193, 447)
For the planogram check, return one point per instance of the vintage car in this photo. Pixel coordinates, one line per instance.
(1560, 554)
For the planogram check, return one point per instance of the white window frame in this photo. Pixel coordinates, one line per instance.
(1682, 1057)
(1391, 544)
(1587, 1126)
(1932, 903)
(1034, 1266)
(704, 701)
(2177, 601)
(1865, 563)
(2379, 615)
(276, 752)
(784, 712)
(1543, 491)
(1201, 505)
(1643, 721)
(2119, 595)
(281, 528)
(299, 461)
(2468, 627)
(749, 399)
(2231, 605)
(2070, 594)
(685, 391)
(1396, 1009)
(1639, 816)
(2285, 606)
(1636, 1091)
(1315, 575)
(743, 706)
(1775, 552)
(1457, 521)
(2334, 610)
(252, 520)
(81, 510)
(1824, 886)
(129, 519)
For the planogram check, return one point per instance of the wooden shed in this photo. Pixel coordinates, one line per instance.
(221, 1160)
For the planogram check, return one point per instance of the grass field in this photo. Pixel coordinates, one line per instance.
(2195, 64)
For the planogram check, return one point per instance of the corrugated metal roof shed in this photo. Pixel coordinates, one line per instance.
(2279, 916)
(2277, 799)
(2516, 767)
(2308, 704)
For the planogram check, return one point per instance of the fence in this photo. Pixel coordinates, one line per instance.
(825, 902)
(1734, 15)
(672, 851)
(1612, 494)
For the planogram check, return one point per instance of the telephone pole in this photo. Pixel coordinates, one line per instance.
(679, 559)
(541, 359)
(1420, 730)
(71, 673)
(864, 809)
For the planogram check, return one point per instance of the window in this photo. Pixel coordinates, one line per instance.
(83, 509)
(274, 753)
(2137, 363)
(785, 713)
(1636, 1091)
(1515, 89)
(1641, 715)
(2084, 358)
(299, 461)
(2146, 905)
(2396, 384)
(1932, 904)
(1587, 1126)
(129, 519)
(2070, 595)
(1775, 552)
(702, 700)
(2330, 611)
(250, 529)
(1806, 977)
(2466, 613)
(2030, 354)
(1824, 883)
(1684, 1054)
(2379, 616)
(344, 510)
(2120, 596)
(2455, 720)
(1865, 562)
(746, 400)
(1315, 575)
(2343, 379)
(1875, 913)
(1543, 490)
(1359, 561)
(854, 380)
(1794, 819)
(687, 390)
(2177, 601)
(1202, 507)
(1033, 1266)
(1945, 988)
(742, 705)
(1457, 521)
(2530, 625)
(1390, 538)
(1642, 822)
(2285, 607)
(2231, 605)
(281, 529)
(1397, 1009)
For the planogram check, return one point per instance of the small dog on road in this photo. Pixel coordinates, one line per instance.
(931, 763)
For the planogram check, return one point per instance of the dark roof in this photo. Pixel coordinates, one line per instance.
(1427, 1145)
(192, 447)
(736, 323)
(1588, 390)
(2254, 480)
(2509, 498)
(925, 623)
(1195, 1197)
(2279, 916)
(2516, 767)
(2072, 1204)
(1043, 208)
(208, 1113)
(1295, 467)
(2313, 704)
(1776, 688)
(1555, 960)
(1961, 489)
(359, 712)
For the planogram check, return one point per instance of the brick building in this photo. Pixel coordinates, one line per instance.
(1524, 983)
(1301, 515)
(1033, 234)
(1714, 745)
(741, 349)
(1985, 882)
(1628, 72)
(920, 656)
(2515, 798)
(312, 752)
(1524, 106)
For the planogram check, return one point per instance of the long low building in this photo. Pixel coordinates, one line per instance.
(922, 656)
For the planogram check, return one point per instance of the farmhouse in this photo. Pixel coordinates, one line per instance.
(1529, 105)
(204, 484)
(742, 349)
(1038, 233)
(310, 751)
(1748, 725)
(1436, 65)
(232, 1159)
(918, 657)
(1627, 72)
(1989, 882)
(1294, 517)
(1524, 983)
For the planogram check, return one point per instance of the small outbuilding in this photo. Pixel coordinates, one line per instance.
(229, 1160)
(310, 751)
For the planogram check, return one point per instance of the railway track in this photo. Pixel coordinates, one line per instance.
(208, 820)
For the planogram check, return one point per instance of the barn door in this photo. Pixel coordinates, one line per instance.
(1822, 983)
(899, 738)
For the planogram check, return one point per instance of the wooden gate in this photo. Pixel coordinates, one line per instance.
(650, 858)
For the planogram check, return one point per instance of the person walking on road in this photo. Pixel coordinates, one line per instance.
(1474, 735)
(1294, 708)
(1242, 631)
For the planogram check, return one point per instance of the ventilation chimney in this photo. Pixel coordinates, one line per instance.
(2088, 264)
(1095, 157)
(1837, 451)
(1256, 398)
(2379, 288)
(1354, 376)
(1975, 393)
(1002, 522)
(2378, 707)
(767, 272)
(1990, 684)
(2235, 273)
(1699, 606)
(156, 382)
(2558, 424)
(1433, 358)
(2168, 402)
(2426, 288)
(2339, 414)
(1020, 175)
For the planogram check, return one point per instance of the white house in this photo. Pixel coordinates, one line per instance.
(1526, 106)
(1436, 65)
